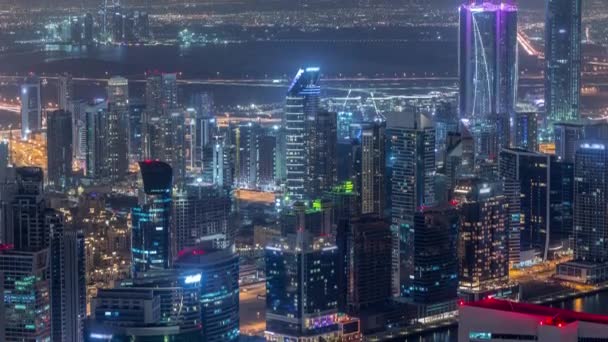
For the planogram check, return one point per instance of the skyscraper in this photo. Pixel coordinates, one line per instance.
(590, 264)
(31, 106)
(115, 123)
(26, 229)
(174, 144)
(202, 129)
(25, 265)
(160, 306)
(566, 137)
(433, 269)
(137, 109)
(563, 34)
(369, 168)
(154, 95)
(487, 59)
(151, 244)
(222, 164)
(118, 92)
(4, 159)
(219, 292)
(65, 91)
(68, 283)
(411, 139)
(59, 149)
(301, 288)
(369, 265)
(94, 138)
(483, 239)
(526, 131)
(533, 171)
(25, 274)
(200, 212)
(161, 93)
(323, 140)
(590, 191)
(301, 108)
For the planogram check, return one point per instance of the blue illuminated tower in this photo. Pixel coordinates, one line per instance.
(487, 58)
(301, 108)
(563, 59)
(301, 288)
(411, 140)
(151, 244)
(219, 292)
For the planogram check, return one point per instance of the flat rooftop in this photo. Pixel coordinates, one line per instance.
(553, 314)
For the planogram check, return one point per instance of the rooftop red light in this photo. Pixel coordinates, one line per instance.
(552, 316)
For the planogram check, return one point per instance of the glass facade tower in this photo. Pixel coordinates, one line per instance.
(151, 244)
(487, 59)
(563, 60)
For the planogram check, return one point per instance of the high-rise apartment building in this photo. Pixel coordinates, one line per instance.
(482, 239)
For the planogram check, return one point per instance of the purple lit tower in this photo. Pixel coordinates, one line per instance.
(488, 59)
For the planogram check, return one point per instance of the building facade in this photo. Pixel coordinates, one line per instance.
(563, 35)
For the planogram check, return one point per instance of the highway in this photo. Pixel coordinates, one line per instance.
(26, 153)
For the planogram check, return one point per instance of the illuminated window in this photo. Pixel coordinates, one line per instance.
(480, 336)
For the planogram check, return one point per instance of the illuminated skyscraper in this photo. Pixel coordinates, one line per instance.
(301, 288)
(411, 139)
(68, 283)
(26, 230)
(31, 107)
(118, 91)
(488, 59)
(590, 197)
(161, 306)
(151, 243)
(301, 108)
(590, 264)
(526, 131)
(533, 172)
(566, 137)
(369, 168)
(94, 140)
(26, 268)
(137, 109)
(483, 239)
(59, 149)
(201, 130)
(219, 291)
(369, 265)
(161, 93)
(115, 123)
(323, 172)
(200, 212)
(563, 59)
(174, 144)
(432, 266)
(25, 275)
